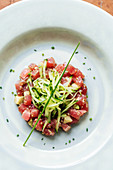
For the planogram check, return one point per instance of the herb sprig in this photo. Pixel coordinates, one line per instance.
(51, 94)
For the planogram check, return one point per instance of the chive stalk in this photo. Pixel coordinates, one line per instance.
(51, 94)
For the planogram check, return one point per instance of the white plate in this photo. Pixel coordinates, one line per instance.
(40, 24)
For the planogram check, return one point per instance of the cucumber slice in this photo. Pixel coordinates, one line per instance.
(58, 119)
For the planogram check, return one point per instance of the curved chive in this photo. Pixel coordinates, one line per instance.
(51, 94)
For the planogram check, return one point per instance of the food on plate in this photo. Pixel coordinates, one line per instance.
(66, 106)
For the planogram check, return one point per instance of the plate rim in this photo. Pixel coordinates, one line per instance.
(16, 4)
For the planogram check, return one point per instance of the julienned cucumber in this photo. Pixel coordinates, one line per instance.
(59, 102)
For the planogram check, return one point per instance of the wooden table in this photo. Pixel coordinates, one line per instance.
(107, 5)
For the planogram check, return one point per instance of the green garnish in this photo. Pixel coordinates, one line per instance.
(53, 147)
(11, 70)
(42, 54)
(17, 135)
(3, 98)
(52, 47)
(76, 52)
(12, 92)
(66, 143)
(86, 129)
(69, 141)
(42, 139)
(94, 78)
(0, 87)
(90, 119)
(87, 96)
(89, 69)
(73, 139)
(7, 120)
(85, 57)
(35, 50)
(50, 95)
(15, 94)
(29, 74)
(84, 63)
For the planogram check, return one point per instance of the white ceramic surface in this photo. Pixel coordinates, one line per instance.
(40, 24)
